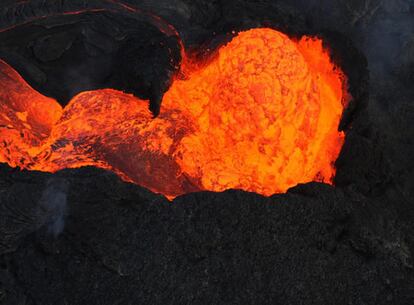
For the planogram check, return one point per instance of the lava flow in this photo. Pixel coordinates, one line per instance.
(262, 115)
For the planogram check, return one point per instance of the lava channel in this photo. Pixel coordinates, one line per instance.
(262, 115)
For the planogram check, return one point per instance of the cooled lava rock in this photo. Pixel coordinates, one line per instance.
(122, 244)
(67, 48)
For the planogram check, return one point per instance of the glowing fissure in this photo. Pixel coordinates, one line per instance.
(261, 116)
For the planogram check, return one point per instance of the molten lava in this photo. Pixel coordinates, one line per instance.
(262, 115)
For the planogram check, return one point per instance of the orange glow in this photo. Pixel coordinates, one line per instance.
(262, 115)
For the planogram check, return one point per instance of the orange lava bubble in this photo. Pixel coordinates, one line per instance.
(262, 115)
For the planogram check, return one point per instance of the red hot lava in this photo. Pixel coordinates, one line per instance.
(261, 116)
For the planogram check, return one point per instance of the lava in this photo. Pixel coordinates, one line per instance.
(262, 115)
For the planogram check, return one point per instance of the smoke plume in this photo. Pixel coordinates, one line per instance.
(53, 205)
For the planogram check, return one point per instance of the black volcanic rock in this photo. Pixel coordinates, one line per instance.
(122, 244)
(66, 49)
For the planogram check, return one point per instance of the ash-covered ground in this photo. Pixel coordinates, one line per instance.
(85, 237)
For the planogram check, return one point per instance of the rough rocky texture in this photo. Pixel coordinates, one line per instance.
(63, 48)
(85, 237)
(123, 245)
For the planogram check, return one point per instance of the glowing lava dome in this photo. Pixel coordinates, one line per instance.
(262, 115)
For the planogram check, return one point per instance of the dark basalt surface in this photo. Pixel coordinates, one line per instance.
(122, 244)
(85, 237)
(64, 48)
